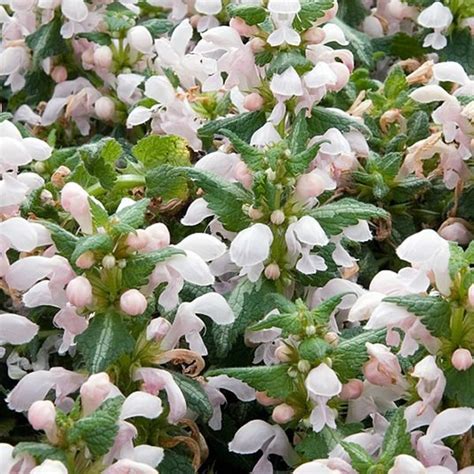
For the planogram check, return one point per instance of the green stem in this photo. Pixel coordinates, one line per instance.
(124, 181)
(457, 320)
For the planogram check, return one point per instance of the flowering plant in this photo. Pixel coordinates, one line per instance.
(237, 236)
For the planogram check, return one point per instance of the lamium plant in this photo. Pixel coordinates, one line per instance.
(236, 236)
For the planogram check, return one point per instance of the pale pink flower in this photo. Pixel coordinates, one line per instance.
(462, 359)
(438, 17)
(431, 383)
(383, 367)
(15, 329)
(133, 303)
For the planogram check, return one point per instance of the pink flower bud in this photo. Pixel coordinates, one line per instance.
(108, 262)
(94, 391)
(79, 292)
(265, 400)
(329, 15)
(257, 45)
(59, 74)
(103, 57)
(157, 329)
(242, 27)
(374, 372)
(470, 296)
(133, 302)
(105, 108)
(138, 239)
(308, 186)
(86, 260)
(283, 413)
(352, 389)
(253, 102)
(140, 39)
(42, 415)
(314, 35)
(331, 338)
(243, 175)
(272, 271)
(87, 58)
(75, 199)
(159, 237)
(456, 232)
(277, 217)
(461, 359)
(254, 213)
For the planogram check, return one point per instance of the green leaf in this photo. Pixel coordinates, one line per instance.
(100, 217)
(313, 446)
(285, 59)
(397, 439)
(352, 12)
(243, 125)
(251, 156)
(323, 118)
(460, 386)
(251, 14)
(139, 267)
(359, 44)
(395, 83)
(274, 379)
(167, 182)
(323, 311)
(39, 451)
(105, 340)
(157, 150)
(224, 198)
(460, 49)
(99, 429)
(361, 460)
(335, 216)
(47, 41)
(157, 26)
(288, 323)
(103, 39)
(132, 216)
(314, 349)
(298, 164)
(100, 159)
(100, 243)
(418, 126)
(388, 165)
(174, 463)
(299, 135)
(249, 304)
(457, 260)
(196, 398)
(351, 354)
(310, 11)
(118, 18)
(469, 253)
(400, 45)
(64, 241)
(434, 312)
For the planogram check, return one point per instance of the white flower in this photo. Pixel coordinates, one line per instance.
(438, 17)
(283, 13)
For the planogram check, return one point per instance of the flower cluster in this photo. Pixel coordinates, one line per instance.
(236, 226)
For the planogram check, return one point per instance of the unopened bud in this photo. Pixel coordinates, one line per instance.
(352, 389)
(277, 217)
(271, 175)
(138, 239)
(456, 232)
(265, 400)
(140, 39)
(94, 391)
(304, 366)
(86, 260)
(133, 303)
(122, 263)
(242, 28)
(87, 58)
(108, 262)
(310, 330)
(103, 57)
(42, 415)
(46, 197)
(157, 329)
(470, 296)
(314, 35)
(283, 413)
(158, 235)
(257, 45)
(461, 359)
(308, 186)
(331, 338)
(243, 175)
(105, 108)
(79, 292)
(283, 353)
(272, 271)
(254, 213)
(59, 74)
(253, 102)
